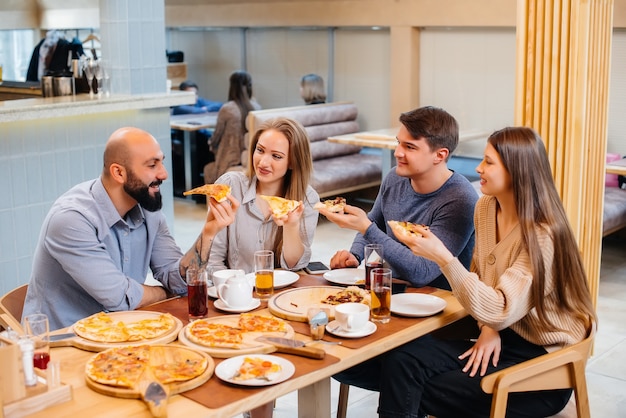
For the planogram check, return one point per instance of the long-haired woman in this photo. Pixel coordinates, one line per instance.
(526, 289)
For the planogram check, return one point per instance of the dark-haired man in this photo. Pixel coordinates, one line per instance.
(419, 189)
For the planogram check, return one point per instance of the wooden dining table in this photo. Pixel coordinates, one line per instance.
(216, 398)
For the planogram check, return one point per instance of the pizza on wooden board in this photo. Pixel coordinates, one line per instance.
(279, 206)
(335, 205)
(208, 333)
(101, 327)
(349, 294)
(405, 228)
(124, 366)
(214, 335)
(216, 191)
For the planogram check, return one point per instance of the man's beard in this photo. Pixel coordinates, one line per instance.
(141, 193)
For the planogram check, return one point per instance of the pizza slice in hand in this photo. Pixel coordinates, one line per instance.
(279, 206)
(335, 205)
(216, 191)
(404, 228)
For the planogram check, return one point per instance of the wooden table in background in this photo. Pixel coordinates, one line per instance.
(617, 167)
(385, 139)
(190, 124)
(313, 387)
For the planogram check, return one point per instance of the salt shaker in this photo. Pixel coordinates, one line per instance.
(28, 350)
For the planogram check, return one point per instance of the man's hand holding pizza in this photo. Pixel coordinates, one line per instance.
(352, 217)
(220, 215)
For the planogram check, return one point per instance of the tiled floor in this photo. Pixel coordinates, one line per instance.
(606, 370)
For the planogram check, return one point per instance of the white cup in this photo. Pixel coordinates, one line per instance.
(352, 316)
(236, 293)
(220, 276)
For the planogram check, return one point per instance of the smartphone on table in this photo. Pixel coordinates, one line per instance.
(316, 267)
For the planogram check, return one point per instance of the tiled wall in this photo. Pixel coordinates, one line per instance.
(133, 44)
(41, 159)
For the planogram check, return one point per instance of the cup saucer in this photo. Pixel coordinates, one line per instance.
(219, 304)
(334, 328)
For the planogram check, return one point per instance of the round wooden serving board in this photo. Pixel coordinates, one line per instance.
(249, 338)
(169, 352)
(292, 304)
(125, 316)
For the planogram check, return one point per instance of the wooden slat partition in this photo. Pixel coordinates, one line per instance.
(563, 64)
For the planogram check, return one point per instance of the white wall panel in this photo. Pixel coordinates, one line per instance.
(470, 73)
(362, 74)
(617, 96)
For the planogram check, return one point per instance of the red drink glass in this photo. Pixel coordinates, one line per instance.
(197, 294)
(36, 325)
(373, 256)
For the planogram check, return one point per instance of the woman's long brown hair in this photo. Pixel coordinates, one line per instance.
(538, 203)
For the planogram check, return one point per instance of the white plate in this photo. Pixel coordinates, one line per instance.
(346, 276)
(282, 278)
(416, 304)
(212, 292)
(334, 328)
(219, 304)
(227, 369)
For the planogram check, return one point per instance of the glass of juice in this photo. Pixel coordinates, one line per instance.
(380, 289)
(197, 293)
(373, 256)
(36, 325)
(264, 274)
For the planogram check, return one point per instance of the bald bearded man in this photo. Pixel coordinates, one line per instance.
(99, 238)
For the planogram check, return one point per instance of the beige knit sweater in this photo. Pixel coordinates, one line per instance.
(497, 291)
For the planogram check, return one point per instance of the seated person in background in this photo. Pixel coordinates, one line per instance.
(312, 89)
(99, 238)
(227, 142)
(420, 189)
(527, 290)
(201, 106)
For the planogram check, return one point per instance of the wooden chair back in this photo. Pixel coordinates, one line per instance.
(561, 369)
(11, 306)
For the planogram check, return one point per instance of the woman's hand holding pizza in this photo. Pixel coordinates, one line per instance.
(291, 218)
(427, 245)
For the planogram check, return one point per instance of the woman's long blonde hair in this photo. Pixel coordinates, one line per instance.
(538, 203)
(298, 176)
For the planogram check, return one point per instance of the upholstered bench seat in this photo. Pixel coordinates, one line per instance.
(614, 210)
(337, 168)
(614, 214)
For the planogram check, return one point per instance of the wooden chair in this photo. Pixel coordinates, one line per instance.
(11, 305)
(560, 369)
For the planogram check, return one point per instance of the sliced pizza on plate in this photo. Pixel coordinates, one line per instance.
(257, 368)
(216, 191)
(280, 206)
